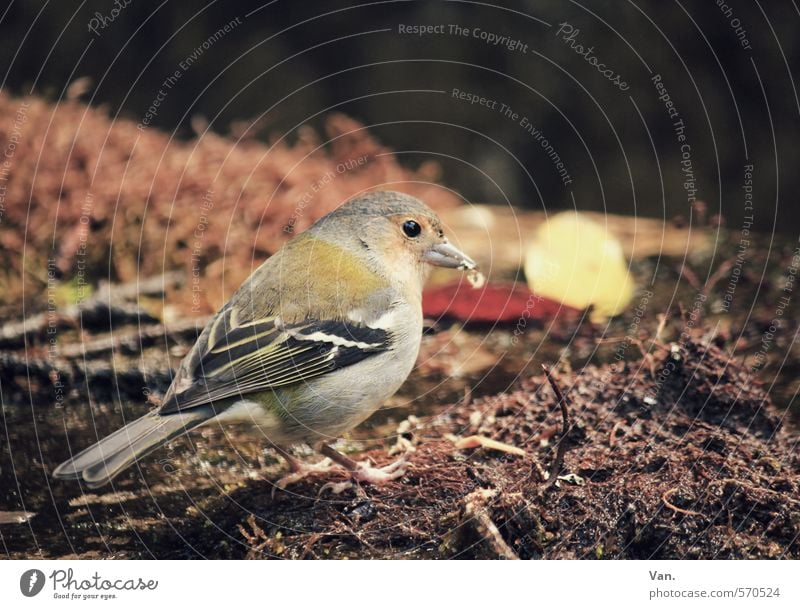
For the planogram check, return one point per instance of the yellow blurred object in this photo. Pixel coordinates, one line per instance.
(576, 261)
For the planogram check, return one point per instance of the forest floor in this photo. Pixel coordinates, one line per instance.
(675, 451)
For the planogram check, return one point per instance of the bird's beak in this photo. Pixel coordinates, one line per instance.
(446, 255)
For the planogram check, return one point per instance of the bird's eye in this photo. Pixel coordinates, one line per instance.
(411, 228)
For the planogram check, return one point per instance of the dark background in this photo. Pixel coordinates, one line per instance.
(291, 62)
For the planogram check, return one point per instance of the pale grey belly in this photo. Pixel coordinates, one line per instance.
(331, 405)
(326, 407)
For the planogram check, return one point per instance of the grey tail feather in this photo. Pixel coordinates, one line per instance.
(101, 462)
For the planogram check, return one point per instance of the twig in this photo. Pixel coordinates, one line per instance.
(466, 401)
(723, 268)
(136, 340)
(690, 276)
(488, 443)
(646, 355)
(15, 517)
(757, 489)
(565, 429)
(111, 305)
(675, 508)
(662, 322)
(475, 510)
(256, 538)
(309, 545)
(149, 286)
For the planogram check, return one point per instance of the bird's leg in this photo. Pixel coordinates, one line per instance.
(363, 472)
(300, 469)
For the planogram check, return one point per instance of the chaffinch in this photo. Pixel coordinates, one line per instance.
(310, 345)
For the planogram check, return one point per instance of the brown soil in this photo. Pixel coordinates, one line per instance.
(710, 477)
(690, 463)
(713, 476)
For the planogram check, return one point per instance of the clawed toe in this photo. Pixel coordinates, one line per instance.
(336, 488)
(358, 472)
(366, 473)
(302, 471)
(380, 475)
(287, 480)
(395, 466)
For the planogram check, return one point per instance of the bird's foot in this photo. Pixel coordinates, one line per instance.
(301, 470)
(365, 472)
(378, 475)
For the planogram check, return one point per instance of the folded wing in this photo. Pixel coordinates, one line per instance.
(233, 360)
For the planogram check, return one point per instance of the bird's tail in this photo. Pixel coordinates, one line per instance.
(99, 463)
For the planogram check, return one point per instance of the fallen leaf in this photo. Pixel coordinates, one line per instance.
(578, 262)
(494, 303)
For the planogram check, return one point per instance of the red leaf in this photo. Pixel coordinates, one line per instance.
(495, 302)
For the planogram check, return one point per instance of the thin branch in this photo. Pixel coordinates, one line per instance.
(721, 271)
(475, 510)
(665, 498)
(566, 426)
(691, 277)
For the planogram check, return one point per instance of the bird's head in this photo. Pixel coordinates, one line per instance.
(400, 236)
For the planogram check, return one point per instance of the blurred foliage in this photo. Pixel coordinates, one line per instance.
(86, 198)
(288, 63)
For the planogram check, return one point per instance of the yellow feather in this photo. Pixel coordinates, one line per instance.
(324, 281)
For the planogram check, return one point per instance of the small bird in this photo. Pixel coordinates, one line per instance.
(310, 345)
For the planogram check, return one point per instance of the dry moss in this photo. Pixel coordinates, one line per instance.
(101, 198)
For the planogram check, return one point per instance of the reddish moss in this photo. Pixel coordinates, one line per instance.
(106, 199)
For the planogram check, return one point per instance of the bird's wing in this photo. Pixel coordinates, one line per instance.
(233, 359)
